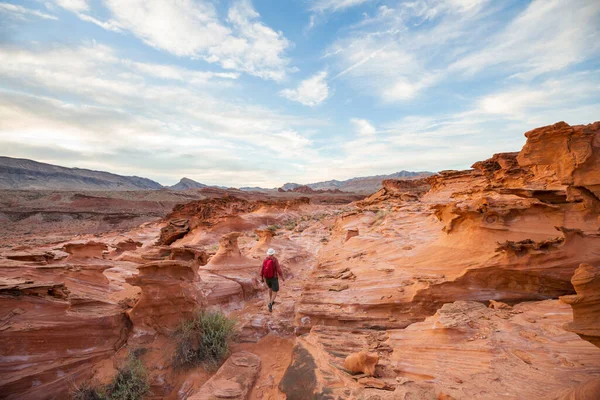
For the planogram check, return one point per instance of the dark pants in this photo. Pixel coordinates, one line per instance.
(273, 284)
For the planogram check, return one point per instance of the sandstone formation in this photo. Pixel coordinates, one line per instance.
(362, 362)
(445, 287)
(85, 250)
(234, 380)
(55, 322)
(586, 303)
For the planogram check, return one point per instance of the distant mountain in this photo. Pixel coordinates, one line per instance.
(187, 183)
(256, 189)
(18, 173)
(366, 184)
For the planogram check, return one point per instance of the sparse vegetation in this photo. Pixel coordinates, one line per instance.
(203, 340)
(87, 391)
(130, 383)
(273, 228)
(290, 224)
(379, 216)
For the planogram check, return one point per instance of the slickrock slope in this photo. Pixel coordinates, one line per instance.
(234, 380)
(465, 351)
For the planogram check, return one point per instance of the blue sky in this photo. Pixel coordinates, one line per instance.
(263, 92)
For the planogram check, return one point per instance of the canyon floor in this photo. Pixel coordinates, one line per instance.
(475, 284)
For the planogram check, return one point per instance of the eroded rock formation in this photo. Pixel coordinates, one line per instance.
(233, 380)
(586, 303)
(460, 269)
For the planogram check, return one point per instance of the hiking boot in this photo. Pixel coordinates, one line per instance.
(270, 307)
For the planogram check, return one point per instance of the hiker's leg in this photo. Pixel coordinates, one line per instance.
(274, 297)
(270, 296)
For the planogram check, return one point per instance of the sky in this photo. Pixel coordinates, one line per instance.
(263, 92)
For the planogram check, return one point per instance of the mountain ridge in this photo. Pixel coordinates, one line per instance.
(26, 174)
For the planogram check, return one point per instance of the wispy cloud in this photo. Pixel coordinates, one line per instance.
(335, 5)
(549, 35)
(310, 92)
(22, 12)
(363, 127)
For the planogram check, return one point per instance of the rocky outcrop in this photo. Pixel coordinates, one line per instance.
(233, 380)
(361, 362)
(127, 245)
(229, 262)
(521, 352)
(169, 296)
(566, 154)
(51, 335)
(506, 231)
(585, 304)
(176, 229)
(398, 190)
(89, 249)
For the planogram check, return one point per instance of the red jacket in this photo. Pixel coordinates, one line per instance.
(277, 267)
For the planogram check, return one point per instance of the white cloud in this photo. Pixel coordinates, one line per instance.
(397, 57)
(110, 25)
(146, 113)
(193, 29)
(170, 72)
(310, 92)
(74, 5)
(549, 35)
(335, 5)
(363, 127)
(22, 12)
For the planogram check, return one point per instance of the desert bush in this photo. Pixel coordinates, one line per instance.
(130, 383)
(203, 340)
(290, 224)
(87, 391)
(273, 228)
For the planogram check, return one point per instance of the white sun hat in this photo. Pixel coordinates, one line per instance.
(270, 252)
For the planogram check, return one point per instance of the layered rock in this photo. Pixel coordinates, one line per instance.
(229, 262)
(51, 335)
(505, 231)
(585, 304)
(233, 380)
(169, 296)
(91, 249)
(465, 351)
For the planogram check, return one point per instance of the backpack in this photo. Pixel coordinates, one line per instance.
(269, 268)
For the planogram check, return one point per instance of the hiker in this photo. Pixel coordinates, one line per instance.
(269, 272)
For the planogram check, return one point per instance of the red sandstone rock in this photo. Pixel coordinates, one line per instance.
(362, 362)
(169, 296)
(233, 380)
(586, 303)
(89, 249)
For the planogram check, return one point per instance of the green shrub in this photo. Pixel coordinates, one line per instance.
(87, 391)
(273, 228)
(203, 340)
(290, 224)
(130, 383)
